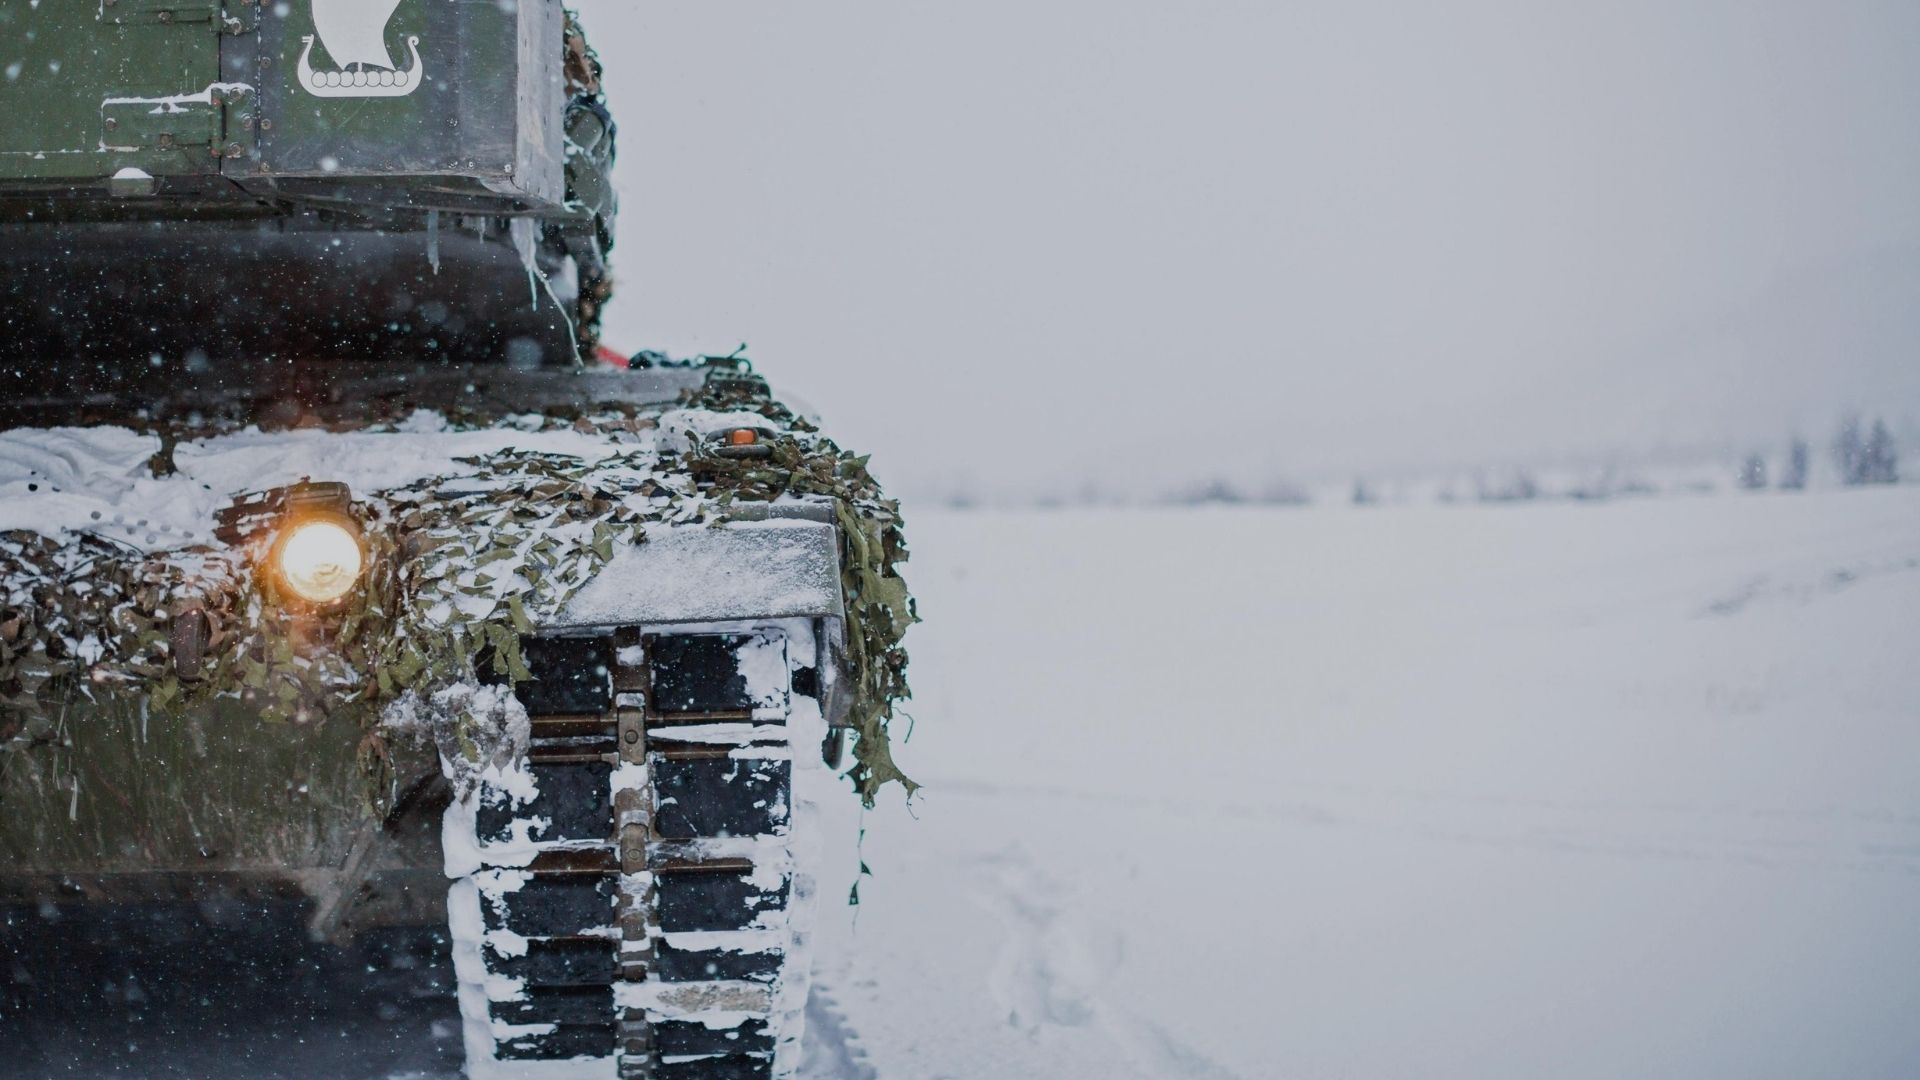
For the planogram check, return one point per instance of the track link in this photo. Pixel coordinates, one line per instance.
(635, 909)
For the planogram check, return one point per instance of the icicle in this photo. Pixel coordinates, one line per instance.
(573, 342)
(73, 808)
(524, 235)
(433, 240)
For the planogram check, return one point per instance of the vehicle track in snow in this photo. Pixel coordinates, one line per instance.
(1051, 971)
(833, 1049)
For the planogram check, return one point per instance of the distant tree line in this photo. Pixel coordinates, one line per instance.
(1869, 460)
(1223, 492)
(1861, 455)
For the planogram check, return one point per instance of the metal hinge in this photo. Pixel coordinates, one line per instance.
(239, 105)
(240, 18)
(212, 122)
(170, 123)
(164, 12)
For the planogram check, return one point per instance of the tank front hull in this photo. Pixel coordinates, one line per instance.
(107, 801)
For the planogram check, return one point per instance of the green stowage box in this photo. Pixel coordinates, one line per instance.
(195, 185)
(463, 97)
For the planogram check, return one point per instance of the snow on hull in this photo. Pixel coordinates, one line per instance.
(748, 570)
(56, 480)
(99, 479)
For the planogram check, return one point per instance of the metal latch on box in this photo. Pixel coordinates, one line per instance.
(170, 123)
(179, 122)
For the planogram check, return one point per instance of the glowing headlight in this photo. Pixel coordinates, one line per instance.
(319, 560)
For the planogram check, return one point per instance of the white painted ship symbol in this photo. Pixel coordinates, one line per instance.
(354, 34)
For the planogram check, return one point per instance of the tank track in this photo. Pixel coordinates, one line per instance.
(633, 905)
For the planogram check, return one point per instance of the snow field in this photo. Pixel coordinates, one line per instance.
(1411, 791)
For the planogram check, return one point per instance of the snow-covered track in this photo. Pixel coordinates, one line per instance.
(627, 898)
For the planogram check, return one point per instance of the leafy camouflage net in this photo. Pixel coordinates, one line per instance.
(872, 544)
(460, 567)
(89, 614)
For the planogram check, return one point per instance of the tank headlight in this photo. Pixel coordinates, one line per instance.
(319, 559)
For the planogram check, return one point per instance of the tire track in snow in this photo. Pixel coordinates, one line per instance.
(833, 1050)
(1803, 589)
(1049, 970)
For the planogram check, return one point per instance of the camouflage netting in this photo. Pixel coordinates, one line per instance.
(879, 607)
(460, 567)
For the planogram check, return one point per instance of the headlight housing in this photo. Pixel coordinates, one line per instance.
(319, 555)
(319, 560)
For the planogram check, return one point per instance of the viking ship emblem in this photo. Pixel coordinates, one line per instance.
(354, 34)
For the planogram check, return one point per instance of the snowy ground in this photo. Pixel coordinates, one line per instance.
(1615, 790)
(1546, 790)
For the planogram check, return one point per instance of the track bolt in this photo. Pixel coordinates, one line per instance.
(632, 737)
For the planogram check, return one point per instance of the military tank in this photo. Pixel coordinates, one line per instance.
(342, 566)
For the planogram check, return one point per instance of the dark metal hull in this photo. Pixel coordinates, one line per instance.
(113, 806)
(123, 306)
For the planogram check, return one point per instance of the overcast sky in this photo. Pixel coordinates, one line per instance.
(1018, 244)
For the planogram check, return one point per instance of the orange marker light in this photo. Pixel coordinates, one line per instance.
(742, 437)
